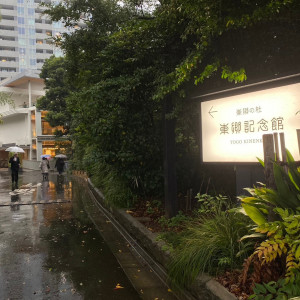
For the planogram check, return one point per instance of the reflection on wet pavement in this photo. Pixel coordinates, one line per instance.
(54, 251)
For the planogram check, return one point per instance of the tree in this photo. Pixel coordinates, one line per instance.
(126, 61)
(5, 99)
(57, 91)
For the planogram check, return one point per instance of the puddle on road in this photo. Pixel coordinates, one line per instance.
(54, 251)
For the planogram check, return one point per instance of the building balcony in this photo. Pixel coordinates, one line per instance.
(4, 32)
(6, 43)
(8, 12)
(44, 46)
(43, 55)
(43, 26)
(7, 74)
(42, 36)
(8, 64)
(39, 65)
(8, 53)
(20, 92)
(14, 111)
(5, 22)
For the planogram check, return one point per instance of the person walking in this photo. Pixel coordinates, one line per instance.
(14, 165)
(59, 164)
(44, 166)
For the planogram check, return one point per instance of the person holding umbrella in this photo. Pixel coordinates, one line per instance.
(14, 165)
(60, 165)
(44, 166)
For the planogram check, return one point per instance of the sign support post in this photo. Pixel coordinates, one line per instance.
(171, 201)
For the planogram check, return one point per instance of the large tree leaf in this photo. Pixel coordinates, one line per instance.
(255, 214)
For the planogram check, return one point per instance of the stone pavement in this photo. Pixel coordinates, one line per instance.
(54, 251)
(33, 190)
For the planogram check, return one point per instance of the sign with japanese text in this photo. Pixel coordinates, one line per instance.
(232, 127)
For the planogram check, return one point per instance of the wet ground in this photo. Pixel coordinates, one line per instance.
(49, 247)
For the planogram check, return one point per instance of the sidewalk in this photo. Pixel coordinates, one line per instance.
(204, 287)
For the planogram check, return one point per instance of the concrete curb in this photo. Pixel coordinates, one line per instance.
(204, 287)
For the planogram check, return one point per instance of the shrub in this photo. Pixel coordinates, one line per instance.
(279, 290)
(262, 201)
(278, 255)
(114, 188)
(211, 205)
(277, 215)
(208, 245)
(176, 223)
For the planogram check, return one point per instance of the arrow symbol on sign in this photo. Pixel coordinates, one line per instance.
(212, 111)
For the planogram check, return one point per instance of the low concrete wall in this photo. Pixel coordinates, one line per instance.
(204, 287)
(30, 164)
(35, 165)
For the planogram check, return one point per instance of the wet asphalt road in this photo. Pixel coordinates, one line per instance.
(51, 250)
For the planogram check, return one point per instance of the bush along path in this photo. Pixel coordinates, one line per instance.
(253, 250)
(204, 287)
(273, 269)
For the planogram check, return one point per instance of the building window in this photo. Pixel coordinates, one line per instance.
(57, 24)
(30, 22)
(31, 31)
(10, 28)
(30, 11)
(39, 31)
(58, 52)
(11, 18)
(8, 7)
(20, 11)
(7, 38)
(4, 59)
(31, 42)
(20, 1)
(21, 30)
(7, 49)
(32, 61)
(39, 51)
(21, 20)
(39, 42)
(8, 70)
(22, 42)
(22, 62)
(49, 51)
(46, 128)
(22, 50)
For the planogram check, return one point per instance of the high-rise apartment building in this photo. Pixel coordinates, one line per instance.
(25, 37)
(25, 43)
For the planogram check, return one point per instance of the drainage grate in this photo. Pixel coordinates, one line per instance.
(31, 202)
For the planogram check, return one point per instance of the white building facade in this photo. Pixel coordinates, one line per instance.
(23, 124)
(25, 37)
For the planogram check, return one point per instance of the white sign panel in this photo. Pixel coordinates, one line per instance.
(232, 127)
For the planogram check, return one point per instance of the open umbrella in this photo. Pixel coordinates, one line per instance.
(46, 156)
(60, 156)
(15, 149)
